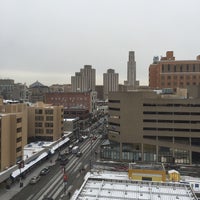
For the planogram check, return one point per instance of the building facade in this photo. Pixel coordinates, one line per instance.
(71, 100)
(170, 73)
(37, 92)
(110, 82)
(13, 91)
(85, 80)
(13, 133)
(145, 126)
(45, 122)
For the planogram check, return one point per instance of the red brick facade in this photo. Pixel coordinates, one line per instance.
(70, 100)
(171, 73)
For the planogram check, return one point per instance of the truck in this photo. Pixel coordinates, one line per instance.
(75, 149)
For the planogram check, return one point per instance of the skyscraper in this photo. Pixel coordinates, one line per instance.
(84, 80)
(131, 71)
(110, 82)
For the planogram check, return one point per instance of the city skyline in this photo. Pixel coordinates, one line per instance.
(49, 41)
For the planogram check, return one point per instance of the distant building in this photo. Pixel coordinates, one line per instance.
(82, 114)
(170, 73)
(13, 133)
(150, 127)
(99, 90)
(110, 82)
(60, 88)
(13, 91)
(131, 71)
(72, 100)
(72, 125)
(37, 92)
(45, 122)
(85, 80)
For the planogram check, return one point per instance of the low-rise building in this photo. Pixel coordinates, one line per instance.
(45, 122)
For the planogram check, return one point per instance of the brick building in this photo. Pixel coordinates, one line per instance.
(170, 73)
(71, 100)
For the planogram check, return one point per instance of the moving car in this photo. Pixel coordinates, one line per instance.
(44, 171)
(35, 179)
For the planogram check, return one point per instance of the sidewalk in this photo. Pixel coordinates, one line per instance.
(7, 194)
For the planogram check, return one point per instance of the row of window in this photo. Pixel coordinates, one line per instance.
(181, 68)
(40, 124)
(172, 121)
(41, 118)
(41, 131)
(175, 77)
(181, 84)
(170, 113)
(170, 129)
(47, 112)
(69, 99)
(170, 105)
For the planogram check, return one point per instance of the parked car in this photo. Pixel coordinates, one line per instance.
(35, 179)
(44, 171)
(79, 154)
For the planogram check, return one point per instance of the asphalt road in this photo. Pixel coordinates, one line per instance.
(52, 184)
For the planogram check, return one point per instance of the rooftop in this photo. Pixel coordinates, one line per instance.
(116, 185)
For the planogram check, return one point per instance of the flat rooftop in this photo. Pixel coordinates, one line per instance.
(116, 185)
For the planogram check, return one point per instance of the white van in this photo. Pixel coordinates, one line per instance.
(75, 149)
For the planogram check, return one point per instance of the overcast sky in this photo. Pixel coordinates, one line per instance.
(50, 40)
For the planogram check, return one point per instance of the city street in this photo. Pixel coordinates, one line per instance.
(52, 184)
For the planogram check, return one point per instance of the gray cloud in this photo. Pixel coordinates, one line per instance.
(50, 40)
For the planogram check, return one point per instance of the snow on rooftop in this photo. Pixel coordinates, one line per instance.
(116, 185)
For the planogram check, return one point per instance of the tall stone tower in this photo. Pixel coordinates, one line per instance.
(131, 71)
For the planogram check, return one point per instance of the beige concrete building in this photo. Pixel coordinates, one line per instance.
(45, 122)
(85, 80)
(13, 133)
(110, 82)
(144, 126)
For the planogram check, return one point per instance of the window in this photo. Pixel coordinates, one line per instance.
(19, 120)
(38, 111)
(49, 118)
(19, 139)
(48, 124)
(181, 68)
(168, 67)
(174, 68)
(193, 69)
(49, 131)
(19, 130)
(19, 149)
(187, 67)
(50, 112)
(39, 118)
